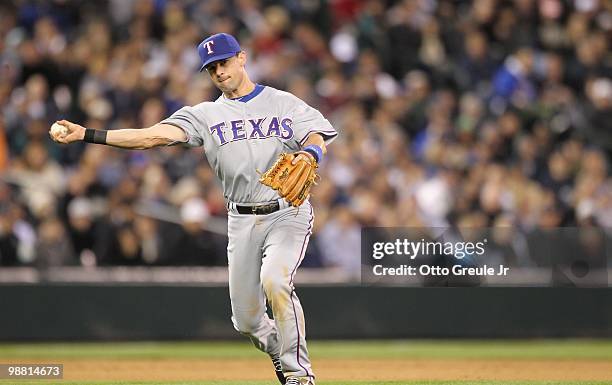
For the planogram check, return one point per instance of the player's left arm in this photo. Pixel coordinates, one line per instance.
(317, 140)
(313, 132)
(314, 139)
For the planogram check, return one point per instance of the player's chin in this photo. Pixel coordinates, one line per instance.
(225, 86)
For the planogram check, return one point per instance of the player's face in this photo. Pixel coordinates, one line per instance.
(227, 74)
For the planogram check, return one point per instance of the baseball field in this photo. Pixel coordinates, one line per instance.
(524, 362)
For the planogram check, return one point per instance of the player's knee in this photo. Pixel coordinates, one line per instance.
(244, 324)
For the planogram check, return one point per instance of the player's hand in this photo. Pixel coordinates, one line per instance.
(74, 132)
(302, 155)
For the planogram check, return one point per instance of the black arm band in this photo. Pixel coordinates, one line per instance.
(95, 136)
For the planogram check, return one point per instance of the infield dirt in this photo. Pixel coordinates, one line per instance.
(163, 369)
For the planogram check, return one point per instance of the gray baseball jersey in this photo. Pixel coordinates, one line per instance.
(241, 136)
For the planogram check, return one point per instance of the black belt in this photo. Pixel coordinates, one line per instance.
(264, 209)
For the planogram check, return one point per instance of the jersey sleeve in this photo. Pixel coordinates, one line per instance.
(308, 120)
(188, 120)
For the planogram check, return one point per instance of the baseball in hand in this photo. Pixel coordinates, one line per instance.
(57, 130)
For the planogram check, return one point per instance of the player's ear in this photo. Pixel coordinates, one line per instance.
(242, 58)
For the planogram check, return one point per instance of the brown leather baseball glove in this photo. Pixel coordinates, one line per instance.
(292, 181)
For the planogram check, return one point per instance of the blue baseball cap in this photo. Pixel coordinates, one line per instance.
(217, 47)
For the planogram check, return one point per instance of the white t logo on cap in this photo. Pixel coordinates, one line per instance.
(208, 44)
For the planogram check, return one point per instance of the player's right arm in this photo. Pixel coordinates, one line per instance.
(159, 134)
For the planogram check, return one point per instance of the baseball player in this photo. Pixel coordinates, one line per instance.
(250, 128)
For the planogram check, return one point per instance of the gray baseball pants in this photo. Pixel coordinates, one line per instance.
(264, 252)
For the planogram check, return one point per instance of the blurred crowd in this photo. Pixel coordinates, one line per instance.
(482, 113)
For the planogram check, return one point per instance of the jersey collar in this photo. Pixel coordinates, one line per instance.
(251, 95)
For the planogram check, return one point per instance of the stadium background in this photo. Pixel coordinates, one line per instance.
(473, 114)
